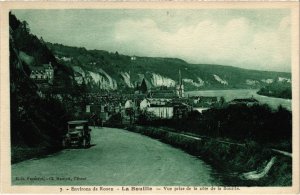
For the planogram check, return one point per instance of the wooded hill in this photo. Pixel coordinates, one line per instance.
(119, 71)
(35, 121)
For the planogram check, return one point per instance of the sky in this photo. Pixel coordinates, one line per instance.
(249, 38)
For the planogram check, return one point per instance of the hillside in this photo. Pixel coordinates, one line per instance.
(281, 88)
(111, 71)
(37, 121)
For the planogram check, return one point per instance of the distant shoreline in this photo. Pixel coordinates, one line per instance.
(218, 89)
(239, 89)
(273, 97)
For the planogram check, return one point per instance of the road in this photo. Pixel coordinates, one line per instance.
(117, 157)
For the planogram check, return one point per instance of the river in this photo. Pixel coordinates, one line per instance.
(244, 93)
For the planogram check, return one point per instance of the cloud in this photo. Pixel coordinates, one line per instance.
(247, 38)
(237, 42)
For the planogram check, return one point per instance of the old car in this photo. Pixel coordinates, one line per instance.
(78, 134)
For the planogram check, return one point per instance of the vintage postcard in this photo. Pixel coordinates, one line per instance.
(125, 98)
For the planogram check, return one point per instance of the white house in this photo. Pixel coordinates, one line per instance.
(42, 73)
(154, 102)
(161, 108)
(144, 104)
(129, 104)
(162, 111)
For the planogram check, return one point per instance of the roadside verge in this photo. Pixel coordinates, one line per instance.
(233, 161)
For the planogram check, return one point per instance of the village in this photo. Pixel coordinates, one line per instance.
(158, 103)
(149, 97)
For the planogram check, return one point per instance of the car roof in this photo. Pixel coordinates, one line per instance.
(77, 122)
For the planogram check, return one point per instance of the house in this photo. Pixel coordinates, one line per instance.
(204, 101)
(144, 104)
(162, 92)
(245, 101)
(161, 108)
(163, 112)
(129, 104)
(43, 73)
(151, 102)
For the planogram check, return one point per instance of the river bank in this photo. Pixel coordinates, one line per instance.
(231, 94)
(233, 161)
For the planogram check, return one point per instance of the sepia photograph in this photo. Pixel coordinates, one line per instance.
(143, 99)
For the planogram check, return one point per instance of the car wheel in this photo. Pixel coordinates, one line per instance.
(64, 143)
(84, 144)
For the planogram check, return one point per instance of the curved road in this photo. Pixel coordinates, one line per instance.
(117, 157)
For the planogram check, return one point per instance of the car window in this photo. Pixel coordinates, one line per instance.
(79, 127)
(75, 127)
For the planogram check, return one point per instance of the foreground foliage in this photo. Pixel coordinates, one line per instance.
(241, 123)
(37, 122)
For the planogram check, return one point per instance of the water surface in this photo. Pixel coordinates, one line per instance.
(244, 93)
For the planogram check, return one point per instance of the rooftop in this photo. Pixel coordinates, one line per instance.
(77, 122)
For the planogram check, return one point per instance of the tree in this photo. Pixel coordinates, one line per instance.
(146, 117)
(222, 101)
(25, 27)
(130, 113)
(143, 87)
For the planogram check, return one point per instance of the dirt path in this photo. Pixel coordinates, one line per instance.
(118, 157)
